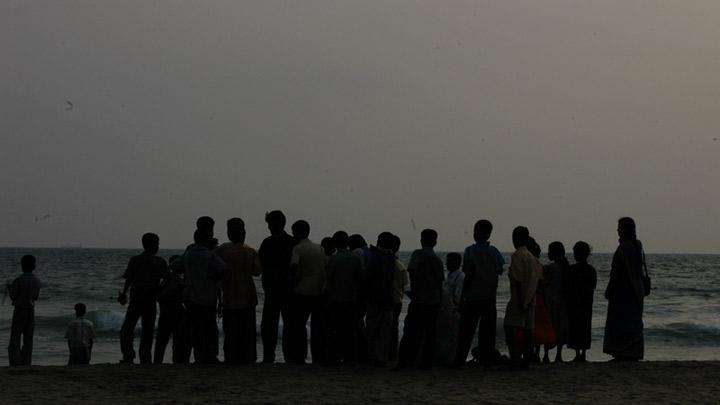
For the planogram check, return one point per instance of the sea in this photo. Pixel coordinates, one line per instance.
(682, 314)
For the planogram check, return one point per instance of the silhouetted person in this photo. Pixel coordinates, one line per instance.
(524, 274)
(426, 283)
(455, 277)
(239, 295)
(80, 335)
(328, 246)
(207, 225)
(400, 282)
(482, 265)
(344, 273)
(23, 291)
(543, 332)
(307, 269)
(581, 282)
(203, 271)
(359, 247)
(275, 253)
(626, 294)
(173, 320)
(142, 277)
(380, 281)
(554, 276)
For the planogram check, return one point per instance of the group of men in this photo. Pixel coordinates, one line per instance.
(351, 294)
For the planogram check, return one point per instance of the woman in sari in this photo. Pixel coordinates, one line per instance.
(625, 294)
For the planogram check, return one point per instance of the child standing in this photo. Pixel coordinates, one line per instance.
(24, 291)
(80, 335)
(455, 277)
(582, 280)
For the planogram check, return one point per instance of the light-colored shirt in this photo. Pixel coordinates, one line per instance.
(80, 333)
(454, 284)
(238, 285)
(310, 275)
(400, 282)
(525, 272)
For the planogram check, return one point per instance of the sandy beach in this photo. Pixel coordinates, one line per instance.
(647, 382)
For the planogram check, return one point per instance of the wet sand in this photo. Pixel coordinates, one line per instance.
(616, 383)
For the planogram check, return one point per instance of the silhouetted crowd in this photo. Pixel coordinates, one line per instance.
(352, 295)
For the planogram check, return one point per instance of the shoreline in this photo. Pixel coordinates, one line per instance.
(593, 382)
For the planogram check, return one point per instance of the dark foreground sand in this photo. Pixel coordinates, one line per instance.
(617, 383)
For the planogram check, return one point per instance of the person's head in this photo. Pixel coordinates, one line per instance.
(340, 238)
(556, 251)
(328, 245)
(581, 251)
(428, 238)
(626, 228)
(520, 237)
(301, 229)
(385, 240)
(396, 244)
(453, 260)
(150, 242)
(80, 309)
(207, 224)
(236, 230)
(202, 238)
(27, 263)
(482, 230)
(534, 247)
(356, 241)
(275, 221)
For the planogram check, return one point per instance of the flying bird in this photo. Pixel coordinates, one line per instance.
(69, 105)
(42, 217)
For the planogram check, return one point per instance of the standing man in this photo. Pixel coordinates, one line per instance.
(239, 295)
(381, 270)
(524, 274)
(307, 269)
(426, 282)
(142, 277)
(482, 265)
(275, 253)
(24, 291)
(203, 272)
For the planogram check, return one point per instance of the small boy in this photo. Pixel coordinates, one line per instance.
(455, 277)
(80, 335)
(582, 280)
(24, 291)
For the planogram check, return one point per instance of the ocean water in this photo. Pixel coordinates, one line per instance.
(682, 320)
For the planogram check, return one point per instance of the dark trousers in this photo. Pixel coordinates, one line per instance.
(378, 323)
(341, 340)
(306, 307)
(362, 351)
(203, 333)
(421, 321)
(80, 355)
(145, 311)
(22, 329)
(240, 345)
(519, 342)
(274, 305)
(172, 322)
(483, 312)
(395, 331)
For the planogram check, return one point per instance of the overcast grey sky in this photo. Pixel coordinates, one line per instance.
(361, 115)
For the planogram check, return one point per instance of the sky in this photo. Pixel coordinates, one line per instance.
(124, 117)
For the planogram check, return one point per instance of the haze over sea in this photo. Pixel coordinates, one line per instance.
(681, 315)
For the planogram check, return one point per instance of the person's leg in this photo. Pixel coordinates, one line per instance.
(363, 352)
(231, 328)
(335, 334)
(395, 332)
(527, 346)
(164, 330)
(318, 328)
(16, 329)
(384, 327)
(469, 316)
(28, 332)
(269, 326)
(487, 329)
(181, 337)
(147, 332)
(213, 335)
(372, 325)
(347, 333)
(430, 331)
(558, 354)
(127, 332)
(412, 333)
(248, 333)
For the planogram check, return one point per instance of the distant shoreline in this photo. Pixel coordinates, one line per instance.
(644, 382)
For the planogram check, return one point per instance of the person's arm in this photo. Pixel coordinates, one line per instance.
(128, 275)
(468, 269)
(500, 261)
